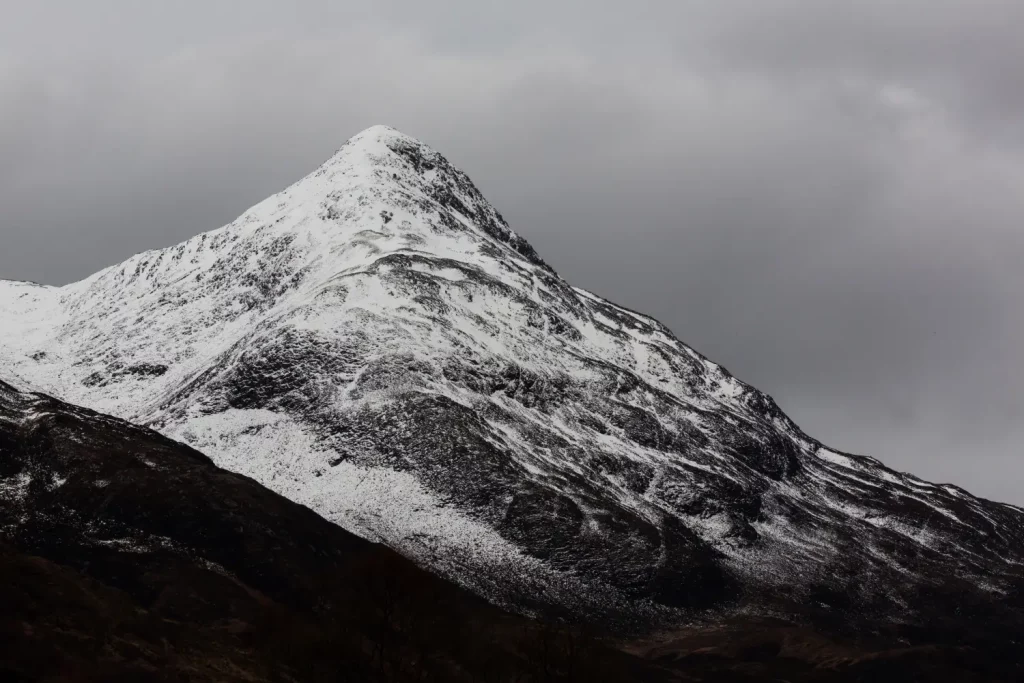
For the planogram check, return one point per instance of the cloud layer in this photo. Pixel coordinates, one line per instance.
(826, 200)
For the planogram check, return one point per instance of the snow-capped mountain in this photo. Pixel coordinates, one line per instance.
(376, 343)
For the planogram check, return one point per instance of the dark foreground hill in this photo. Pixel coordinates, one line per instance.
(126, 556)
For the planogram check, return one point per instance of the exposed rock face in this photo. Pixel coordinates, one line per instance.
(375, 342)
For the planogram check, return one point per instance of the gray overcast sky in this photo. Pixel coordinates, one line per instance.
(827, 198)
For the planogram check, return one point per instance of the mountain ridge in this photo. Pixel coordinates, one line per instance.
(375, 342)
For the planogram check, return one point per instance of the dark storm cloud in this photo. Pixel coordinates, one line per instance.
(825, 199)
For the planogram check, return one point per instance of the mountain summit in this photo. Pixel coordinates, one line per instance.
(376, 343)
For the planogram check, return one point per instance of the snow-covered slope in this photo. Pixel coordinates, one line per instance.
(375, 342)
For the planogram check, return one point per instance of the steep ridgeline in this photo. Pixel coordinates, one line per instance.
(376, 343)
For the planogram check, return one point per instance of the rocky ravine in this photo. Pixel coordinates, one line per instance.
(376, 343)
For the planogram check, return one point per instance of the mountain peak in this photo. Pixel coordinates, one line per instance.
(375, 141)
(407, 174)
(380, 132)
(376, 148)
